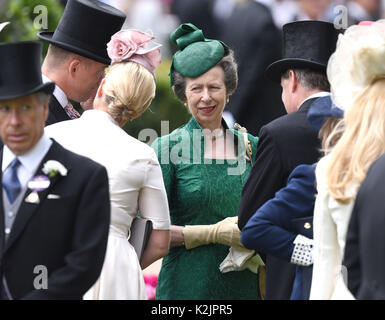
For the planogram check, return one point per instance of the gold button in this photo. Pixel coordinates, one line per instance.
(307, 225)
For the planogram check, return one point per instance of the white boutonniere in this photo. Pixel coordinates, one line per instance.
(2, 25)
(52, 168)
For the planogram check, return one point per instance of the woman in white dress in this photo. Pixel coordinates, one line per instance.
(135, 177)
(356, 72)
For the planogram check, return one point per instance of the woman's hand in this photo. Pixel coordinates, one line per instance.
(224, 232)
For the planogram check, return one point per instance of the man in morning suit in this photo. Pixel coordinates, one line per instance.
(54, 204)
(365, 246)
(290, 140)
(77, 55)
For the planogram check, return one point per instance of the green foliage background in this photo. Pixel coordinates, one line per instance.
(165, 106)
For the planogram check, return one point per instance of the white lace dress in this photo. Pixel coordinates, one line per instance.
(136, 184)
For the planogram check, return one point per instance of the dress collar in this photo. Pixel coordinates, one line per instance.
(98, 115)
(193, 124)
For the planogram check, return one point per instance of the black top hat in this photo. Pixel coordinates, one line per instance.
(20, 65)
(85, 29)
(306, 45)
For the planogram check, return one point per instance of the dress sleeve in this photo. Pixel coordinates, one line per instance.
(269, 230)
(264, 180)
(153, 203)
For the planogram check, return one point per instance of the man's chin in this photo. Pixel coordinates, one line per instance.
(17, 149)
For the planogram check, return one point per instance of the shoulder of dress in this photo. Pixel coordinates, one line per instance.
(253, 139)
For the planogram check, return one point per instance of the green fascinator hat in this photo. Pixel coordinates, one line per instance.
(196, 54)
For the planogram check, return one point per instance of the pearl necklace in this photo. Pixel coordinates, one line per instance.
(215, 134)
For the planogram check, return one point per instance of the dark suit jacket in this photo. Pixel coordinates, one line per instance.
(365, 246)
(68, 235)
(56, 112)
(256, 41)
(283, 144)
(274, 226)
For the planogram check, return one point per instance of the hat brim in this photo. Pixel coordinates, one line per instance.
(275, 70)
(18, 92)
(47, 36)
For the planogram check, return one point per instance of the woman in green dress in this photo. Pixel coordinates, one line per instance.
(205, 165)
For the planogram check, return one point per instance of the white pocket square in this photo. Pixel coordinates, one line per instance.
(53, 196)
(33, 197)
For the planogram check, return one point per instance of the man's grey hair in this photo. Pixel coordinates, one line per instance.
(310, 79)
(42, 97)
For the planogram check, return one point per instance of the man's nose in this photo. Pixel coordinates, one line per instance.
(15, 117)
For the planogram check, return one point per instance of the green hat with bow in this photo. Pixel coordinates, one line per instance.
(196, 54)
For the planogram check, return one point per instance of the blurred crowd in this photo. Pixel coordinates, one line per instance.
(212, 15)
(252, 28)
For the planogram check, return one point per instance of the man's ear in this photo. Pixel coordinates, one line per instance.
(99, 93)
(73, 67)
(46, 110)
(293, 81)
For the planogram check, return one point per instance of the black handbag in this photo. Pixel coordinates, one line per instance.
(140, 233)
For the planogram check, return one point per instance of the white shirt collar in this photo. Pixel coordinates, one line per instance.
(316, 95)
(32, 158)
(58, 92)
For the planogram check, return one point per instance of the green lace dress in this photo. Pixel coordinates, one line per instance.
(200, 192)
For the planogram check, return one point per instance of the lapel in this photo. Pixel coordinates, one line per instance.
(26, 209)
(56, 112)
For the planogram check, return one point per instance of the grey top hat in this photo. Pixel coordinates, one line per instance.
(85, 29)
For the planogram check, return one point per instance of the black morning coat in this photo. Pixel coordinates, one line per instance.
(66, 232)
(283, 144)
(56, 112)
(365, 246)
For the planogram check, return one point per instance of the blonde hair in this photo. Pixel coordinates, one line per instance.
(362, 142)
(330, 132)
(129, 89)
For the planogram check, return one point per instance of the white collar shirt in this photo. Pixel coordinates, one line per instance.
(58, 92)
(29, 161)
(316, 95)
